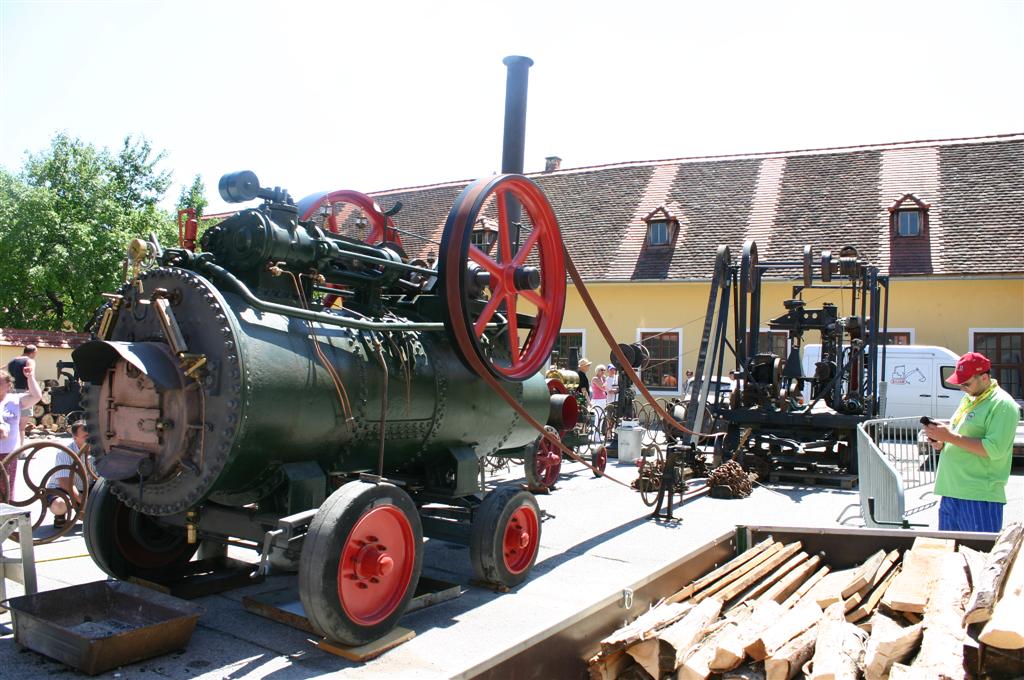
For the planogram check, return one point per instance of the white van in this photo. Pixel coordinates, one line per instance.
(914, 376)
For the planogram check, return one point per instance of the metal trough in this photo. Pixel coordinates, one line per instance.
(95, 627)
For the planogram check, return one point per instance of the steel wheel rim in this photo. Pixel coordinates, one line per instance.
(520, 540)
(376, 565)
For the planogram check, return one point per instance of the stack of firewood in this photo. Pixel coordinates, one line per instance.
(777, 612)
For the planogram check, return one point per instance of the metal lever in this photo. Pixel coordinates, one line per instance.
(902, 525)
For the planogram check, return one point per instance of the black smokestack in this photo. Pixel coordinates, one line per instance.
(514, 145)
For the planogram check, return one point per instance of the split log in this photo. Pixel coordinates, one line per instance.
(793, 622)
(738, 573)
(868, 606)
(830, 589)
(697, 661)
(864, 574)
(1005, 629)
(942, 647)
(989, 582)
(731, 648)
(909, 592)
(799, 593)
(975, 563)
(680, 637)
(713, 576)
(644, 626)
(889, 643)
(837, 649)
(756, 574)
(786, 662)
(608, 666)
(881, 571)
(791, 581)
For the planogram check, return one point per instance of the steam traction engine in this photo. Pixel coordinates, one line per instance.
(226, 403)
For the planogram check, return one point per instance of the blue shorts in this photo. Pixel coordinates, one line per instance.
(957, 514)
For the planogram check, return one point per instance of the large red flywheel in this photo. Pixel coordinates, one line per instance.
(505, 301)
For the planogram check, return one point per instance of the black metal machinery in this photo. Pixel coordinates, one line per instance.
(778, 417)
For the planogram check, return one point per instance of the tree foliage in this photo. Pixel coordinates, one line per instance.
(194, 196)
(65, 224)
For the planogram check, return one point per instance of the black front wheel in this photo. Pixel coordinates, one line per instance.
(505, 536)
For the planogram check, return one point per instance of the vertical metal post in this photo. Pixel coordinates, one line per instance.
(514, 141)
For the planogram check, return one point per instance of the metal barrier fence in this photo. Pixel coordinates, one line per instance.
(892, 463)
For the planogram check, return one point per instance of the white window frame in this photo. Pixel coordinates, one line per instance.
(971, 332)
(583, 345)
(911, 331)
(679, 370)
(668, 232)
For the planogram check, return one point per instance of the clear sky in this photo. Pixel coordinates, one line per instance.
(386, 94)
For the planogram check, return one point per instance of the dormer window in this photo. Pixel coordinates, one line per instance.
(661, 227)
(484, 234)
(908, 217)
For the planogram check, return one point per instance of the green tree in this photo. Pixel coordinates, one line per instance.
(65, 223)
(194, 196)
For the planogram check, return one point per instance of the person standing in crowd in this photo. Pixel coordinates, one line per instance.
(687, 382)
(12, 405)
(582, 367)
(15, 367)
(612, 381)
(976, 450)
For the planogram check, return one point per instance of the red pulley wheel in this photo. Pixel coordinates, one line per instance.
(516, 288)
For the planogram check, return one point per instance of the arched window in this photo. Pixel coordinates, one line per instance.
(908, 217)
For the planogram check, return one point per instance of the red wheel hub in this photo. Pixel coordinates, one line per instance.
(376, 565)
(521, 540)
(548, 462)
(528, 280)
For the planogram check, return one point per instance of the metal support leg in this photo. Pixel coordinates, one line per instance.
(21, 569)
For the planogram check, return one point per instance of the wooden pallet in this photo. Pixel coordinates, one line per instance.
(812, 478)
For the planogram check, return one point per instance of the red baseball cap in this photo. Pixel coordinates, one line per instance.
(969, 365)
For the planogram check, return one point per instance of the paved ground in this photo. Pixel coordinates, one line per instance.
(597, 539)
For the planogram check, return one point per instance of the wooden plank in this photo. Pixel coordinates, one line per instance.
(370, 650)
(993, 574)
(942, 646)
(644, 626)
(876, 595)
(791, 581)
(737, 573)
(800, 592)
(864, 574)
(713, 576)
(883, 569)
(830, 589)
(909, 592)
(756, 574)
(1005, 629)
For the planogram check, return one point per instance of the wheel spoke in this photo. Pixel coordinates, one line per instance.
(513, 331)
(536, 299)
(487, 314)
(524, 250)
(504, 228)
(484, 260)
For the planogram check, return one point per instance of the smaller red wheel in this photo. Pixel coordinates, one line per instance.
(543, 463)
(505, 536)
(520, 541)
(599, 460)
(382, 227)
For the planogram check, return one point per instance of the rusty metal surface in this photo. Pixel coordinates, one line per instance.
(98, 626)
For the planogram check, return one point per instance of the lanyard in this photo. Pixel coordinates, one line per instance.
(967, 404)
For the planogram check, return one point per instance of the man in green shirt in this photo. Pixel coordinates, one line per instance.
(976, 450)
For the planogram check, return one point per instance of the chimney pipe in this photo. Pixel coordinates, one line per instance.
(552, 163)
(516, 83)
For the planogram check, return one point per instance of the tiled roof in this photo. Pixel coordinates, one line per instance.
(19, 337)
(826, 198)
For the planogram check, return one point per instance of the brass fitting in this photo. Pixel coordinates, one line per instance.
(192, 526)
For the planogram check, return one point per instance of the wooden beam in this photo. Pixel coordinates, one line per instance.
(868, 606)
(864, 574)
(990, 581)
(792, 580)
(882, 570)
(713, 576)
(830, 589)
(755, 575)
(737, 573)
(799, 593)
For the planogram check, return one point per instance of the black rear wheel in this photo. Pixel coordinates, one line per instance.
(505, 536)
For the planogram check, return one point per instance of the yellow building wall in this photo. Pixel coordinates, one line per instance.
(46, 359)
(937, 312)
